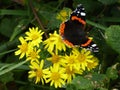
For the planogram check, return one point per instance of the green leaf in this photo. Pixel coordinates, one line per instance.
(13, 12)
(99, 80)
(113, 37)
(108, 2)
(70, 87)
(112, 72)
(103, 88)
(6, 27)
(6, 77)
(10, 68)
(19, 28)
(96, 25)
(110, 19)
(55, 21)
(82, 83)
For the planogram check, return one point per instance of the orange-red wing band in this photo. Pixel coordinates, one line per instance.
(78, 19)
(62, 27)
(87, 43)
(61, 31)
(68, 43)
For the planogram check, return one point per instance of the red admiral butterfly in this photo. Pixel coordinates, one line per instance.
(73, 33)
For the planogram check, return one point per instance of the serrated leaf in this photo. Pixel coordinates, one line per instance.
(82, 83)
(112, 73)
(98, 77)
(108, 2)
(113, 37)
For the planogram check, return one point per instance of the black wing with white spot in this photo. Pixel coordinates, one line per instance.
(79, 12)
(92, 47)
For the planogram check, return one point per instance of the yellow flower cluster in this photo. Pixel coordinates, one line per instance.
(62, 63)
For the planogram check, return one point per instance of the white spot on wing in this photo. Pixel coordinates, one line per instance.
(83, 14)
(83, 8)
(78, 11)
(94, 45)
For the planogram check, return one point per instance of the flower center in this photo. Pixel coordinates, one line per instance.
(71, 61)
(52, 38)
(33, 55)
(81, 58)
(55, 76)
(39, 73)
(55, 58)
(34, 36)
(68, 71)
(24, 47)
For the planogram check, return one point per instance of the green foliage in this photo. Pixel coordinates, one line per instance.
(89, 82)
(107, 2)
(54, 20)
(103, 23)
(112, 72)
(113, 37)
(7, 77)
(5, 26)
(99, 79)
(81, 83)
(89, 4)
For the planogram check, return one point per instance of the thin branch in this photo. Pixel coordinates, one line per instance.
(37, 18)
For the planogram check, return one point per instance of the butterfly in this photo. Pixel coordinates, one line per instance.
(73, 32)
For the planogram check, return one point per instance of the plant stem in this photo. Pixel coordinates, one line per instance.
(96, 25)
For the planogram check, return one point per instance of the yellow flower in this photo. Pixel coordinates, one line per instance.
(33, 55)
(54, 42)
(24, 48)
(83, 57)
(35, 36)
(56, 59)
(56, 76)
(71, 60)
(91, 65)
(71, 73)
(37, 72)
(63, 14)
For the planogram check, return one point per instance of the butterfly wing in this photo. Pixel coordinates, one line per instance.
(72, 31)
